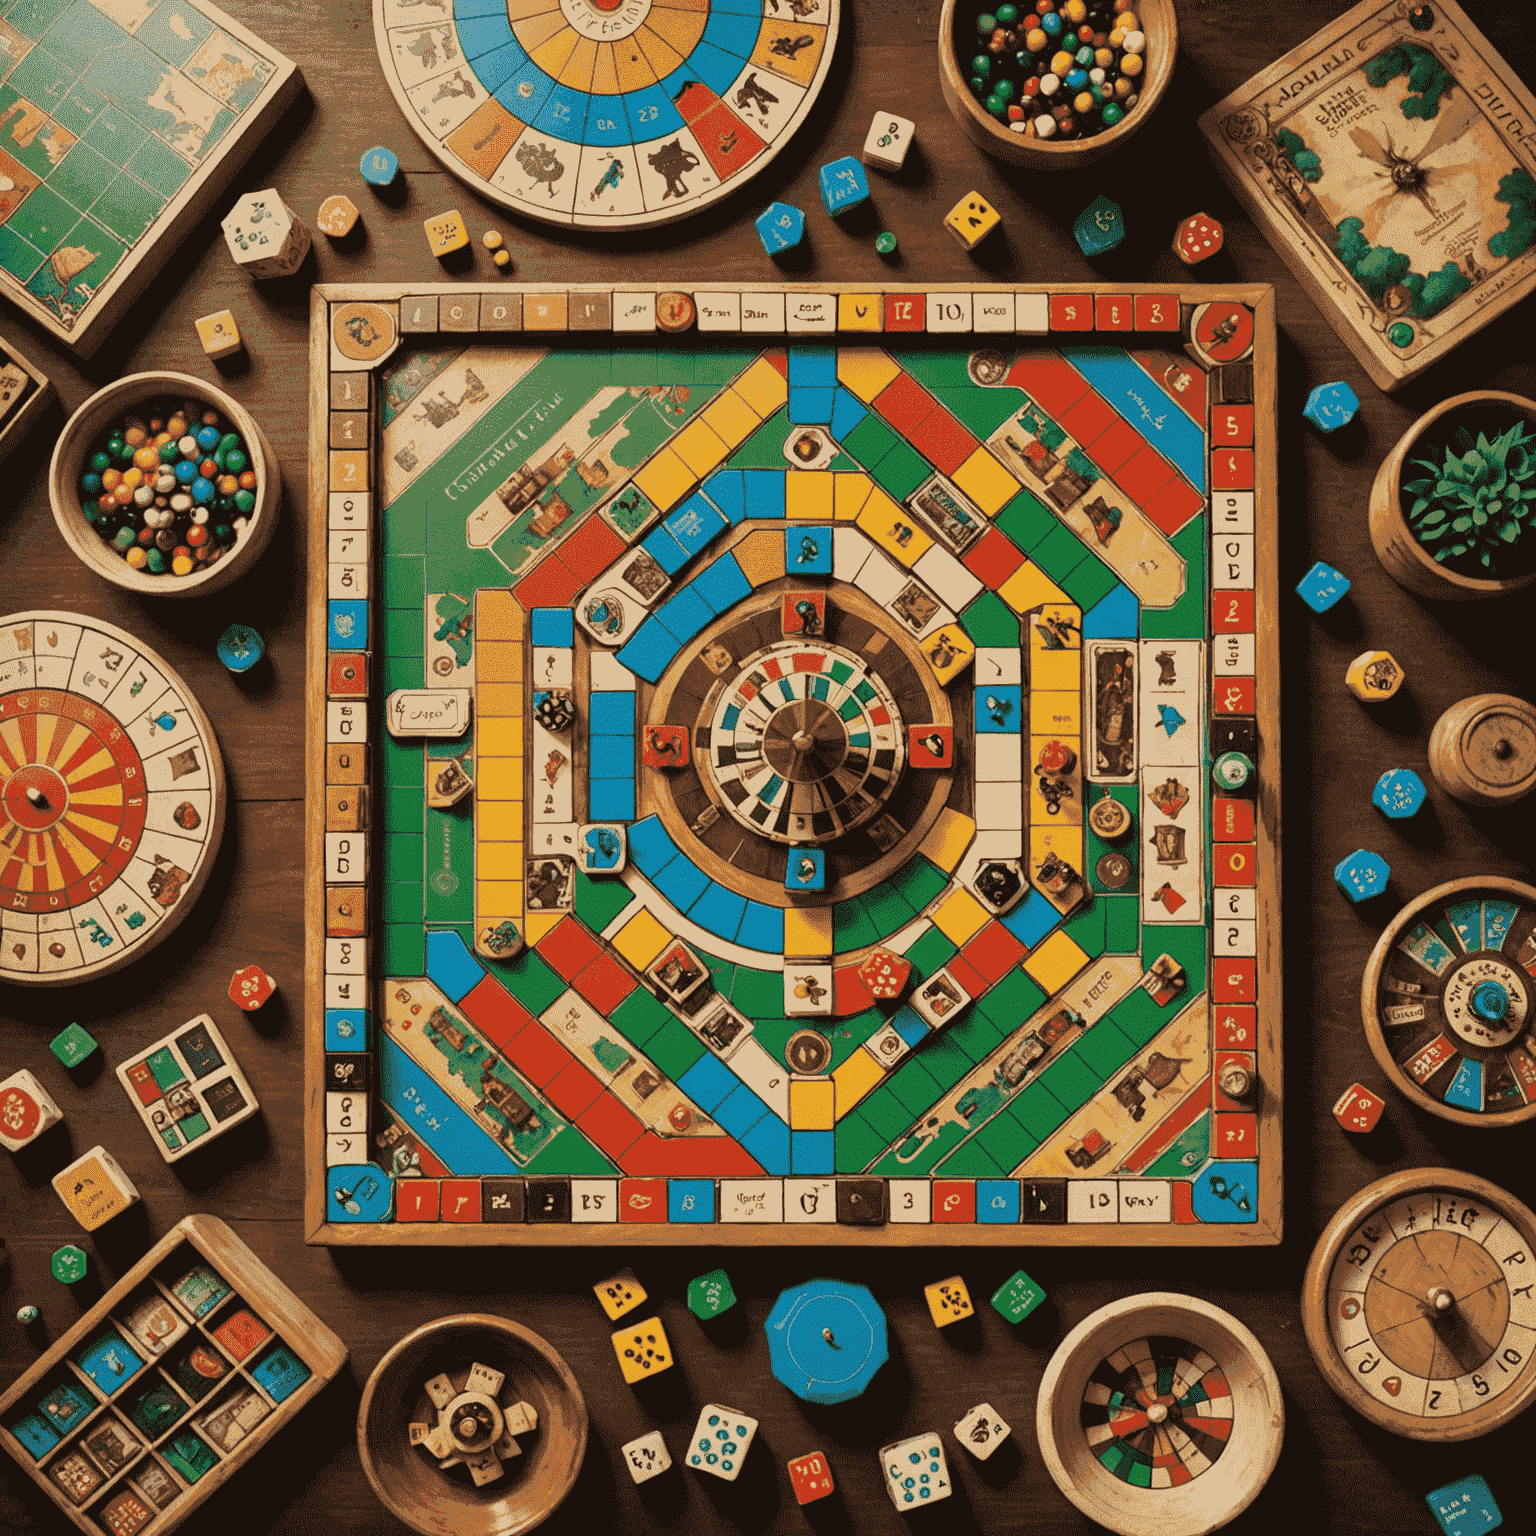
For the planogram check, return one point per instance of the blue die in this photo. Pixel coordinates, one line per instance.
(843, 185)
(781, 227)
(379, 166)
(1331, 406)
(1465, 1506)
(1322, 587)
(1399, 793)
(1100, 227)
(240, 648)
(1362, 874)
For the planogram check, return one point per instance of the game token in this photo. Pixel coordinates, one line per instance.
(1331, 406)
(250, 987)
(69, 1264)
(721, 1440)
(26, 1110)
(1099, 228)
(1399, 793)
(73, 1045)
(826, 1340)
(1483, 749)
(843, 185)
(1196, 238)
(218, 334)
(1374, 677)
(337, 217)
(916, 1472)
(379, 166)
(888, 140)
(1362, 874)
(240, 648)
(781, 227)
(1467, 1505)
(28, 1315)
(886, 243)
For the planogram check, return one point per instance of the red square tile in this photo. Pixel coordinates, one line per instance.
(994, 952)
(1232, 469)
(905, 312)
(1236, 1027)
(605, 983)
(1232, 613)
(1234, 696)
(779, 358)
(905, 404)
(568, 948)
(1231, 426)
(573, 1090)
(1234, 981)
(954, 1200)
(1071, 312)
(1053, 381)
(461, 1200)
(1236, 1136)
(494, 1012)
(642, 1199)
(1235, 864)
(1157, 311)
(967, 975)
(944, 442)
(849, 994)
(1174, 505)
(993, 558)
(1117, 446)
(611, 1126)
(1113, 312)
(416, 1200)
(537, 1055)
(549, 585)
(1184, 1203)
(591, 548)
(347, 673)
(1231, 820)
(1143, 475)
(1089, 419)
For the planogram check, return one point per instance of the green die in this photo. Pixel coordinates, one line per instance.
(72, 1045)
(710, 1295)
(69, 1264)
(1017, 1296)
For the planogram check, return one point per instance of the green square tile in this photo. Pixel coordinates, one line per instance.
(1090, 581)
(982, 410)
(1006, 1141)
(404, 529)
(902, 470)
(758, 994)
(914, 1085)
(1012, 1000)
(931, 952)
(82, 176)
(44, 218)
(17, 256)
(80, 108)
(115, 134)
(990, 621)
(1058, 553)
(885, 1114)
(639, 1017)
(1122, 924)
(942, 368)
(870, 441)
(1104, 1049)
(1188, 616)
(404, 855)
(674, 1049)
(887, 910)
(918, 881)
(127, 207)
(404, 580)
(405, 948)
(851, 927)
(403, 632)
(1139, 1018)
(1087, 929)
(402, 902)
(973, 1035)
(856, 1144)
(402, 763)
(1185, 942)
(970, 1160)
(532, 982)
(1038, 1111)
(598, 902)
(719, 365)
(1071, 1079)
(401, 672)
(404, 807)
(1027, 520)
(159, 168)
(944, 1060)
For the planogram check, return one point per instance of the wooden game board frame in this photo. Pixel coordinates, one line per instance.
(549, 314)
(14, 432)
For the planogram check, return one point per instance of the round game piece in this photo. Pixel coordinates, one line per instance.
(503, 259)
(606, 115)
(1483, 750)
(886, 243)
(555, 710)
(1113, 871)
(807, 1051)
(826, 1340)
(674, 311)
(26, 1316)
(1448, 996)
(119, 790)
(379, 166)
(69, 1264)
(240, 648)
(491, 240)
(1109, 819)
(1418, 1307)
(1160, 1413)
(337, 217)
(1232, 771)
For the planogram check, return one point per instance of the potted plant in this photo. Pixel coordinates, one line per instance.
(1453, 506)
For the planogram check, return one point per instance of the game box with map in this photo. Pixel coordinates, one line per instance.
(793, 764)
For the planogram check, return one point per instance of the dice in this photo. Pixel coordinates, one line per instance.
(781, 227)
(1331, 406)
(971, 220)
(1362, 874)
(1196, 238)
(26, 1111)
(446, 233)
(810, 1477)
(710, 1295)
(642, 1350)
(915, 1472)
(619, 1294)
(1465, 1506)
(948, 1301)
(1399, 794)
(1322, 587)
(646, 1457)
(73, 1045)
(379, 166)
(265, 237)
(883, 974)
(1374, 676)
(1017, 1296)
(218, 334)
(981, 1430)
(250, 987)
(721, 1440)
(843, 185)
(1358, 1109)
(1099, 228)
(338, 216)
(888, 140)
(94, 1188)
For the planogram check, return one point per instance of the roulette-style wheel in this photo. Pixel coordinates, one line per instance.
(1418, 1304)
(111, 798)
(1447, 1001)
(1160, 1413)
(605, 113)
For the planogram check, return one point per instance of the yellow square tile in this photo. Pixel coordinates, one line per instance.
(349, 469)
(948, 1301)
(499, 861)
(1056, 962)
(666, 479)
(497, 778)
(700, 447)
(948, 839)
(808, 496)
(855, 1078)
(498, 899)
(1055, 671)
(499, 736)
(730, 417)
(1070, 811)
(498, 616)
(1029, 587)
(986, 482)
(1053, 839)
(948, 650)
(504, 701)
(849, 493)
(540, 925)
(545, 311)
(1059, 714)
(893, 528)
(959, 917)
(763, 387)
(865, 370)
(641, 939)
(498, 661)
(808, 931)
(812, 1105)
(761, 556)
(860, 312)
(501, 821)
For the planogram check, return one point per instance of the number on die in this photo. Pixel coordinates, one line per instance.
(1358, 1109)
(250, 987)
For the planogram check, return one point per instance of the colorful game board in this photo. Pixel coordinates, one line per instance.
(814, 768)
(120, 120)
(605, 113)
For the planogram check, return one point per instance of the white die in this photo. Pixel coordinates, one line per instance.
(26, 1111)
(915, 1472)
(721, 1440)
(647, 1457)
(981, 1431)
(887, 141)
(266, 238)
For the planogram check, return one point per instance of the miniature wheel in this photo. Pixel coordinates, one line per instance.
(1447, 1001)
(1418, 1304)
(1160, 1412)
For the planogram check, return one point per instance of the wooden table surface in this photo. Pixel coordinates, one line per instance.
(1336, 1473)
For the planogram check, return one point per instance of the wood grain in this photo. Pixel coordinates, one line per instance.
(1337, 1473)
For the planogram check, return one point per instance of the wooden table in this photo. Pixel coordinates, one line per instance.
(1336, 1473)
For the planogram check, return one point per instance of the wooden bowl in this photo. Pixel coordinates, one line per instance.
(1406, 561)
(105, 409)
(957, 42)
(409, 1482)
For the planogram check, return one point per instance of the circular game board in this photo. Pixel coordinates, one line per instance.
(605, 113)
(111, 798)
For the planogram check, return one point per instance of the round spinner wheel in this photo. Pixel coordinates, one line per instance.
(1419, 1304)
(1449, 1000)
(1160, 1412)
(111, 798)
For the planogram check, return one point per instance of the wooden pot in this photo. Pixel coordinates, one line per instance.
(105, 409)
(1406, 561)
(958, 41)
(1483, 750)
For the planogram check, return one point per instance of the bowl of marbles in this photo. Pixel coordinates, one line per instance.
(1055, 84)
(165, 485)
(472, 1424)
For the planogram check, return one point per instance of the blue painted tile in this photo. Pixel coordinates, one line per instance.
(553, 626)
(722, 584)
(650, 650)
(908, 1023)
(812, 367)
(685, 613)
(740, 1112)
(726, 490)
(997, 1201)
(768, 1142)
(812, 1152)
(682, 882)
(691, 1200)
(847, 413)
(695, 523)
(764, 490)
(611, 714)
(450, 966)
(709, 1082)
(611, 799)
(347, 623)
(719, 911)
(808, 551)
(811, 407)
(999, 709)
(762, 928)
(665, 550)
(1032, 919)
(346, 1029)
(650, 846)
(1114, 617)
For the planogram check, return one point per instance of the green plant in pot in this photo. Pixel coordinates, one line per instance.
(1474, 510)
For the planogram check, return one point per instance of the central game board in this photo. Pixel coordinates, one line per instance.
(815, 767)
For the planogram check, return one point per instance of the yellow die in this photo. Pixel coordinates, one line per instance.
(619, 1294)
(1374, 677)
(642, 1350)
(948, 1301)
(446, 232)
(338, 216)
(971, 220)
(218, 333)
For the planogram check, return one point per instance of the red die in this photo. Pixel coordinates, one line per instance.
(1196, 238)
(250, 987)
(884, 974)
(810, 1477)
(1358, 1109)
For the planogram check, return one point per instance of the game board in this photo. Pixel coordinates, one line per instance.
(762, 776)
(605, 113)
(120, 122)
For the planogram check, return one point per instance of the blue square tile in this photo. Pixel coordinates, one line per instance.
(807, 551)
(737, 1114)
(665, 550)
(847, 413)
(695, 523)
(722, 585)
(812, 1152)
(997, 1201)
(611, 714)
(691, 1200)
(347, 624)
(762, 928)
(346, 1029)
(764, 490)
(553, 626)
(999, 709)
(611, 757)
(805, 869)
(682, 882)
(650, 846)
(650, 650)
(768, 1142)
(811, 407)
(685, 613)
(450, 966)
(908, 1023)
(1113, 617)
(611, 799)
(726, 490)
(709, 1083)
(109, 1360)
(812, 367)
(280, 1372)
(719, 912)
(1032, 919)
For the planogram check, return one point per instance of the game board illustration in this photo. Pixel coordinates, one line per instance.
(811, 816)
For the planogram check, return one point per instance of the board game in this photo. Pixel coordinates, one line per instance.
(605, 114)
(120, 122)
(804, 773)
(1389, 161)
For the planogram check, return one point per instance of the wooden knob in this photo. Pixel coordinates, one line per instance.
(1236, 1080)
(1483, 750)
